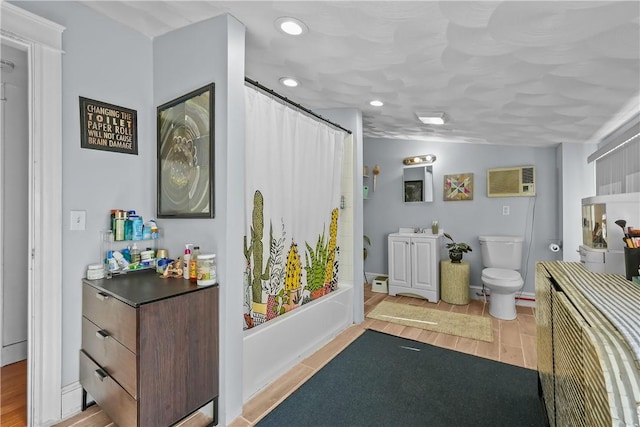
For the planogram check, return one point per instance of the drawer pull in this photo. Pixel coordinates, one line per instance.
(102, 296)
(100, 374)
(102, 334)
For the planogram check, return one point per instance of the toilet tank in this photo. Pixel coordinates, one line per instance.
(501, 251)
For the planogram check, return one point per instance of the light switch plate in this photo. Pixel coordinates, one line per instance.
(78, 220)
(505, 210)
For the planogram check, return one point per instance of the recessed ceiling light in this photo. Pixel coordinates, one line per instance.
(289, 81)
(376, 103)
(291, 26)
(434, 118)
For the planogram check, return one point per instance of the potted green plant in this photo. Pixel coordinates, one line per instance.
(456, 250)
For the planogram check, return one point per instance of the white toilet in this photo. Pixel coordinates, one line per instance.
(501, 258)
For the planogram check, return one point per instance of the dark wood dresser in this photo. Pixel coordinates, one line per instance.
(149, 348)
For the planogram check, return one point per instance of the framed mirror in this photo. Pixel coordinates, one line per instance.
(417, 184)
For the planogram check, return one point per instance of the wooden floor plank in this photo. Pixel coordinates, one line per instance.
(13, 395)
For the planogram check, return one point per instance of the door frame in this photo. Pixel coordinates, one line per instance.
(42, 40)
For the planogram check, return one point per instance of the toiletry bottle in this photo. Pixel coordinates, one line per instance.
(113, 219)
(186, 261)
(135, 254)
(193, 272)
(128, 225)
(119, 225)
(434, 227)
(137, 224)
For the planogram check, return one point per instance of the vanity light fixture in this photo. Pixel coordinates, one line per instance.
(291, 26)
(417, 160)
(376, 103)
(433, 118)
(288, 81)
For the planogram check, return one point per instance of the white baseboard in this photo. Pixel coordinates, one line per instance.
(72, 399)
(13, 353)
(525, 299)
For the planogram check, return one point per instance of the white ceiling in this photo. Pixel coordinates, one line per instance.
(508, 72)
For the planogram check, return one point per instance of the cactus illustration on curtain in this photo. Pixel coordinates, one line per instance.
(293, 278)
(316, 260)
(333, 233)
(254, 251)
(278, 271)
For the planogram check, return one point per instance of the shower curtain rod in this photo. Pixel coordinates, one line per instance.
(295, 104)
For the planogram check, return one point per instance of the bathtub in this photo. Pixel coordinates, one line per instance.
(273, 348)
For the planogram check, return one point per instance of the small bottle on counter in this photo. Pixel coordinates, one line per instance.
(162, 259)
(193, 271)
(434, 227)
(185, 261)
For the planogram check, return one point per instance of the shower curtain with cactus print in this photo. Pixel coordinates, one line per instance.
(292, 195)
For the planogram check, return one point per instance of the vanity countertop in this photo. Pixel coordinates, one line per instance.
(411, 232)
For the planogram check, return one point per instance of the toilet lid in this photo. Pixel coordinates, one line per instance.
(501, 274)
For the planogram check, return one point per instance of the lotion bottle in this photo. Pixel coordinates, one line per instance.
(186, 261)
(193, 274)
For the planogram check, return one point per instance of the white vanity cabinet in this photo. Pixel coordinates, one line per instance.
(413, 265)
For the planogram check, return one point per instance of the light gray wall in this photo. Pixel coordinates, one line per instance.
(185, 60)
(108, 62)
(385, 212)
(577, 182)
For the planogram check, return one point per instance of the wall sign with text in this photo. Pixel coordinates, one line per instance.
(108, 127)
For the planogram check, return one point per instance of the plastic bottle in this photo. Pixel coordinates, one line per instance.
(119, 225)
(135, 254)
(112, 264)
(137, 224)
(186, 261)
(193, 271)
(113, 219)
(128, 225)
(434, 227)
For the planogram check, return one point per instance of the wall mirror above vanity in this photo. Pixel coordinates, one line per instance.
(417, 184)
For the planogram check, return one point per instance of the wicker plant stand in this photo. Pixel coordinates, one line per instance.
(454, 282)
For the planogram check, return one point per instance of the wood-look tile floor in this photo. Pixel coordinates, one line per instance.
(13, 395)
(514, 343)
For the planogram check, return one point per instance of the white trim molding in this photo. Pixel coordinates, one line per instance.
(72, 399)
(42, 40)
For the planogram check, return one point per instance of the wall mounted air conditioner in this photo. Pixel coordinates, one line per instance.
(511, 182)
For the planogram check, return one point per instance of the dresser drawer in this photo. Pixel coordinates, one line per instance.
(110, 314)
(108, 394)
(117, 360)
